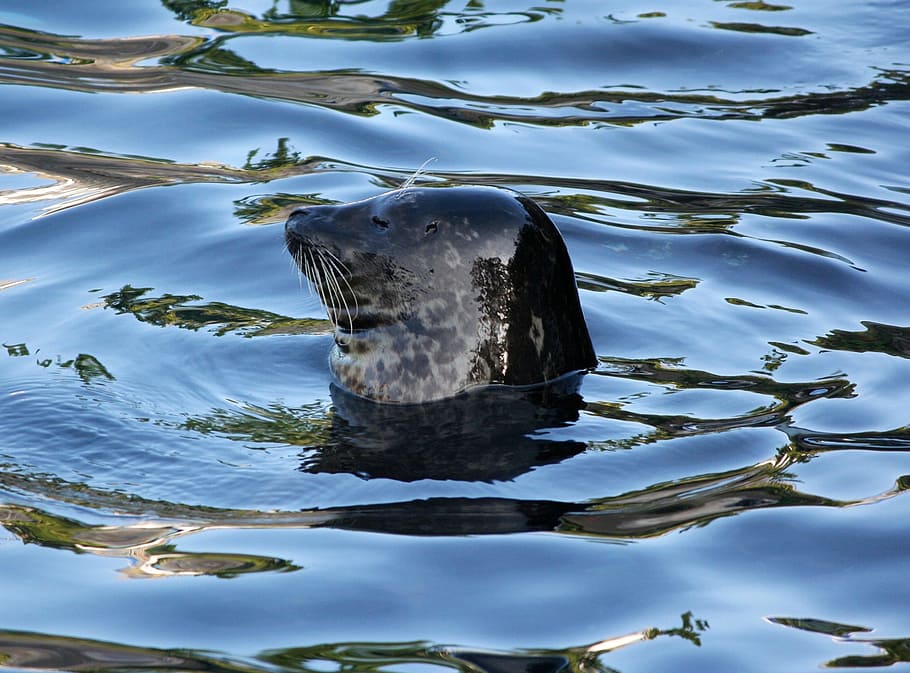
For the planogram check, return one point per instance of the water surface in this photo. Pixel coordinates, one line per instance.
(731, 181)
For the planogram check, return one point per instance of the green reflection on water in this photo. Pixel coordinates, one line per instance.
(660, 285)
(87, 367)
(788, 31)
(891, 650)
(38, 651)
(784, 398)
(144, 532)
(759, 5)
(311, 18)
(16, 350)
(876, 338)
(186, 10)
(282, 156)
(304, 426)
(145, 544)
(63, 62)
(182, 311)
(272, 208)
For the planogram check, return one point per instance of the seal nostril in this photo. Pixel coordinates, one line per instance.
(432, 227)
(380, 223)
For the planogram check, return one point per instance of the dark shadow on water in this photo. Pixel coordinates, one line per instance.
(44, 652)
(493, 434)
(146, 532)
(487, 435)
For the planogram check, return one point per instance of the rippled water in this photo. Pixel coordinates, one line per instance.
(731, 180)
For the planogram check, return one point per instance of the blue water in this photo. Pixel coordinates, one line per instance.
(731, 181)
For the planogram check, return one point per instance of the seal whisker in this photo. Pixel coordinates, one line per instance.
(326, 289)
(328, 286)
(295, 261)
(316, 281)
(339, 264)
(341, 273)
(416, 174)
(332, 274)
(301, 273)
(312, 280)
(304, 270)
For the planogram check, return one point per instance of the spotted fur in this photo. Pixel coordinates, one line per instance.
(437, 290)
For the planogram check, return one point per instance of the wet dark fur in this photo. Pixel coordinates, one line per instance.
(437, 290)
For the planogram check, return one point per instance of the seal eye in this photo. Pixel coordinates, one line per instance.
(380, 223)
(432, 227)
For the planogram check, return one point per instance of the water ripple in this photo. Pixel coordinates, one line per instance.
(41, 59)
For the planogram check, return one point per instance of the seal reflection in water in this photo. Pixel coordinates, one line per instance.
(437, 290)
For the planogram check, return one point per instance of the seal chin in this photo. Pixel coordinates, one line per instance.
(434, 291)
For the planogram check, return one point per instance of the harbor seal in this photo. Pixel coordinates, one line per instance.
(437, 290)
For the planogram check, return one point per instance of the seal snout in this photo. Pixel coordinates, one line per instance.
(297, 217)
(290, 225)
(292, 235)
(302, 224)
(307, 221)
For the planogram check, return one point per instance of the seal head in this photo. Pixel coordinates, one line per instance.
(436, 290)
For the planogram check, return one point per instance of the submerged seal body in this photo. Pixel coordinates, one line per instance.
(436, 290)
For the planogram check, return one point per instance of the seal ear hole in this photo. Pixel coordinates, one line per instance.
(432, 227)
(380, 223)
